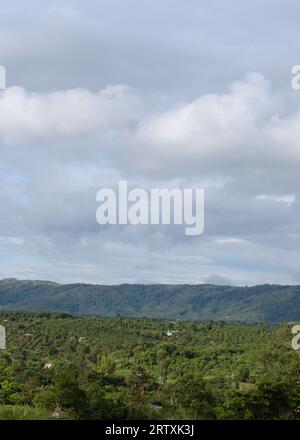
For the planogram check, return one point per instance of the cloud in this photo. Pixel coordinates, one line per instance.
(31, 117)
(228, 143)
(184, 115)
(223, 133)
(212, 121)
(216, 135)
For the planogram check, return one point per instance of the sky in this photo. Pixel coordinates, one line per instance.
(161, 93)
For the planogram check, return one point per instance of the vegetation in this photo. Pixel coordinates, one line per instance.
(62, 366)
(267, 303)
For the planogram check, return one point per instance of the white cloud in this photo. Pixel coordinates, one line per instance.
(213, 123)
(289, 199)
(235, 144)
(31, 117)
(216, 134)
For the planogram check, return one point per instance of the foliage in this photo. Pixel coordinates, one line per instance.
(62, 366)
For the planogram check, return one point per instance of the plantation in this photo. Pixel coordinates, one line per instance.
(57, 366)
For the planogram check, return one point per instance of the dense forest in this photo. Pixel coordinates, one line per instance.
(267, 303)
(59, 366)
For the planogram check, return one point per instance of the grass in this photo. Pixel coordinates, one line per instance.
(9, 412)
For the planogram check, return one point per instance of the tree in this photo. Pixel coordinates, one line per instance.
(107, 364)
(192, 393)
(68, 393)
(270, 400)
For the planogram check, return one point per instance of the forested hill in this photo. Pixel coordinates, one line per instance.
(268, 303)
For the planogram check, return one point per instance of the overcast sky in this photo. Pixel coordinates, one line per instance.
(162, 93)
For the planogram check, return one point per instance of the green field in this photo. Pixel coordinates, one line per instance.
(115, 368)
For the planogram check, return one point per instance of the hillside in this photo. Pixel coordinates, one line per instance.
(268, 303)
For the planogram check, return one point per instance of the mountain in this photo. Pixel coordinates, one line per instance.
(268, 303)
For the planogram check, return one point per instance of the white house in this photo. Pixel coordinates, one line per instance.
(47, 366)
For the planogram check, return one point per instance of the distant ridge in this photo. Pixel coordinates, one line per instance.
(268, 303)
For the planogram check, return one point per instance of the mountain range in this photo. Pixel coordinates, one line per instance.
(263, 303)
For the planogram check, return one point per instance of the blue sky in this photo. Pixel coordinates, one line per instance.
(160, 93)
